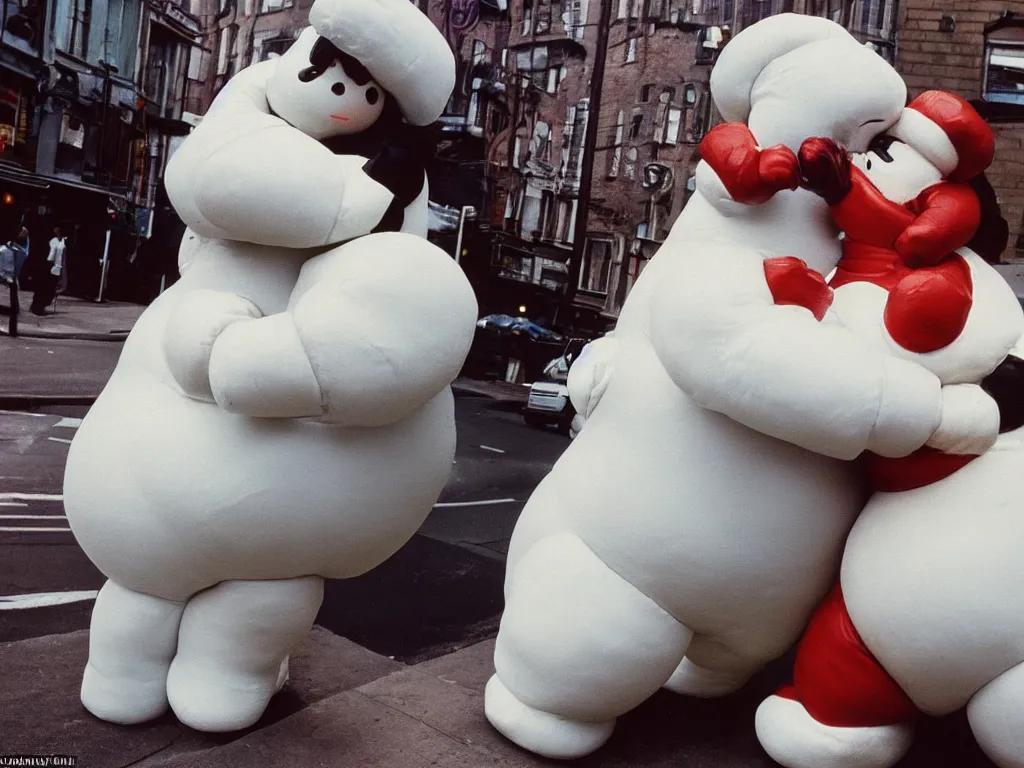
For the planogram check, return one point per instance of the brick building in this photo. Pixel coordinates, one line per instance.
(975, 48)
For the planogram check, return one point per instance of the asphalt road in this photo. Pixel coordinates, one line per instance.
(443, 588)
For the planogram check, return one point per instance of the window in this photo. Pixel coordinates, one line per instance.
(613, 168)
(576, 18)
(630, 50)
(675, 117)
(597, 266)
(690, 94)
(629, 167)
(527, 20)
(517, 151)
(552, 81)
(223, 51)
(636, 126)
(542, 24)
(76, 40)
(1004, 65)
(269, 6)
(196, 69)
(540, 146)
(645, 93)
(479, 52)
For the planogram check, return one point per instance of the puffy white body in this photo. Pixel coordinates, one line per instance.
(701, 510)
(280, 415)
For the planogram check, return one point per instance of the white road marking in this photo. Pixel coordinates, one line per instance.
(31, 497)
(44, 599)
(60, 440)
(33, 517)
(488, 448)
(13, 504)
(481, 503)
(29, 529)
(68, 422)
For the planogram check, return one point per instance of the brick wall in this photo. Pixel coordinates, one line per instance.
(954, 60)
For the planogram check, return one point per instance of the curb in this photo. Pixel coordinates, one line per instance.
(23, 402)
(112, 336)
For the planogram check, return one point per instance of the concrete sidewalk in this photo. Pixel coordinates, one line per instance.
(73, 318)
(350, 708)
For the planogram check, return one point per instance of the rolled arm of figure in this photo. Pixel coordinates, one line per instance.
(777, 370)
(195, 323)
(374, 330)
(590, 374)
(245, 174)
(948, 215)
(735, 172)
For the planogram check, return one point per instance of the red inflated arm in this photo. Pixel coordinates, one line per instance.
(751, 175)
(867, 216)
(948, 215)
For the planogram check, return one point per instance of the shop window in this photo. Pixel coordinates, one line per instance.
(595, 273)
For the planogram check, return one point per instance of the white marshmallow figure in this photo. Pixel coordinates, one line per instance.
(926, 617)
(697, 519)
(282, 414)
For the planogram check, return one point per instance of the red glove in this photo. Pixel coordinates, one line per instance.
(947, 216)
(825, 169)
(928, 308)
(792, 282)
(751, 175)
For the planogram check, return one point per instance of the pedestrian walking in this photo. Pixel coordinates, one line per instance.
(20, 246)
(47, 289)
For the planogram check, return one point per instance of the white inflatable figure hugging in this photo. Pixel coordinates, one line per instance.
(938, 540)
(701, 510)
(246, 445)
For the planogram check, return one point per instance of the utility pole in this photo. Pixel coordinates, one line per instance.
(579, 236)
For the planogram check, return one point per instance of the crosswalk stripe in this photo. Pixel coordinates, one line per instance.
(29, 529)
(31, 497)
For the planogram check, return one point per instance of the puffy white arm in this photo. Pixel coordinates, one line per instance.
(375, 329)
(777, 370)
(590, 374)
(245, 174)
(710, 186)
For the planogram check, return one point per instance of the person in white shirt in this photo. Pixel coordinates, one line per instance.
(47, 289)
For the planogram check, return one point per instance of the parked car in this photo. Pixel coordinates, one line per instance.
(548, 402)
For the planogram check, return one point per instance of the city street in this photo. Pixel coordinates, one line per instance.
(442, 589)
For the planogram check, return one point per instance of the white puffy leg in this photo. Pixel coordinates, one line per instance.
(794, 739)
(710, 670)
(996, 714)
(233, 646)
(578, 646)
(131, 644)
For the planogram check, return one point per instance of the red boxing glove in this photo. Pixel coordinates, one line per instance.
(751, 175)
(947, 216)
(928, 308)
(792, 282)
(825, 169)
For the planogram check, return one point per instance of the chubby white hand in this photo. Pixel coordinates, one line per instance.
(590, 374)
(196, 322)
(374, 330)
(970, 421)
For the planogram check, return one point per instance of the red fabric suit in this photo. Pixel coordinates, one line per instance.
(909, 251)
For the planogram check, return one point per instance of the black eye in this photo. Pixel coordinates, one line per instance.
(869, 164)
(338, 89)
(372, 94)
